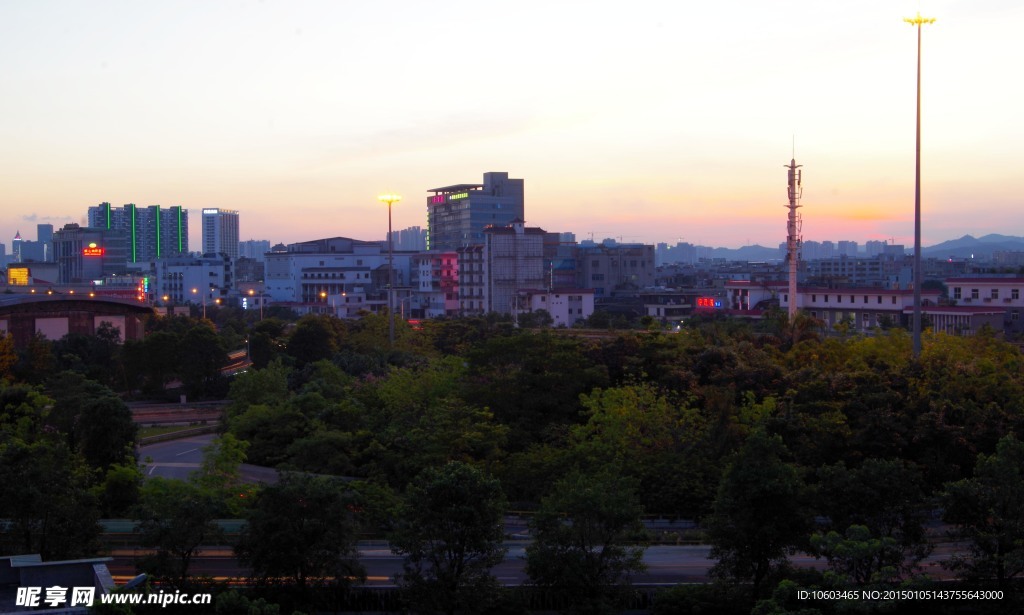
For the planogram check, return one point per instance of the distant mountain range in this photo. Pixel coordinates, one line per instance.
(964, 247)
(978, 247)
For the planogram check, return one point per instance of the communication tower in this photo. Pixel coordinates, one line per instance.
(793, 229)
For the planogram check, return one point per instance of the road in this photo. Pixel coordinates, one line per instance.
(179, 458)
(665, 564)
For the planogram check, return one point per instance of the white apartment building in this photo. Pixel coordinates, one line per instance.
(567, 306)
(338, 275)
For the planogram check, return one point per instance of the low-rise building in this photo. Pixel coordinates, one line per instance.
(567, 306)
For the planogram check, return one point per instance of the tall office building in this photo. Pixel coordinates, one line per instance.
(413, 238)
(83, 253)
(457, 215)
(220, 232)
(16, 247)
(150, 233)
(44, 235)
(254, 249)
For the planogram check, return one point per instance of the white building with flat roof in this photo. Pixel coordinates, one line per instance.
(220, 232)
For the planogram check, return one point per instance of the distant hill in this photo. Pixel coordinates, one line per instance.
(747, 253)
(977, 247)
(964, 247)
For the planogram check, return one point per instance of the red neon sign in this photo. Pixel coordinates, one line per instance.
(93, 251)
(708, 302)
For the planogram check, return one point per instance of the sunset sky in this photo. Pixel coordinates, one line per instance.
(648, 120)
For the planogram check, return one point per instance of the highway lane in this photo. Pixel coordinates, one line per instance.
(665, 564)
(179, 458)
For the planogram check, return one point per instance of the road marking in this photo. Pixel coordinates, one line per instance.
(151, 468)
(187, 452)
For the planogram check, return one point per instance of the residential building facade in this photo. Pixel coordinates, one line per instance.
(150, 232)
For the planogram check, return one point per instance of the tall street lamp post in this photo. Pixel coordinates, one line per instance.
(196, 291)
(917, 21)
(251, 294)
(390, 199)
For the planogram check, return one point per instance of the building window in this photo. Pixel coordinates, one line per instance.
(974, 293)
(957, 292)
(814, 298)
(865, 298)
(1015, 294)
(839, 298)
(826, 298)
(995, 293)
(879, 300)
(894, 300)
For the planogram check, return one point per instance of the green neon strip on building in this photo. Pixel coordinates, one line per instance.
(134, 259)
(179, 230)
(158, 231)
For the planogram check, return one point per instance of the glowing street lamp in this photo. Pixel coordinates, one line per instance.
(390, 199)
(253, 292)
(196, 291)
(917, 21)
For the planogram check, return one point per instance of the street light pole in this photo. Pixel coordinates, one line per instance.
(195, 291)
(389, 199)
(919, 22)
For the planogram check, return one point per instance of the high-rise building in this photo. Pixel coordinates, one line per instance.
(254, 249)
(16, 247)
(83, 253)
(847, 248)
(44, 235)
(151, 232)
(457, 215)
(413, 238)
(220, 232)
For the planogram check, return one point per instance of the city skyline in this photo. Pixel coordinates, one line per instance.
(665, 123)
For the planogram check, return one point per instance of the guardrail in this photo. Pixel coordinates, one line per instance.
(174, 435)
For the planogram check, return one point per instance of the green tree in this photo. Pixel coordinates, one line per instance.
(267, 386)
(302, 529)
(45, 500)
(450, 531)
(175, 518)
(582, 536)
(220, 473)
(92, 355)
(8, 357)
(758, 516)
(156, 357)
(36, 360)
(120, 490)
(532, 382)
(988, 511)
(314, 338)
(883, 497)
(201, 355)
(93, 418)
(269, 430)
(649, 435)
